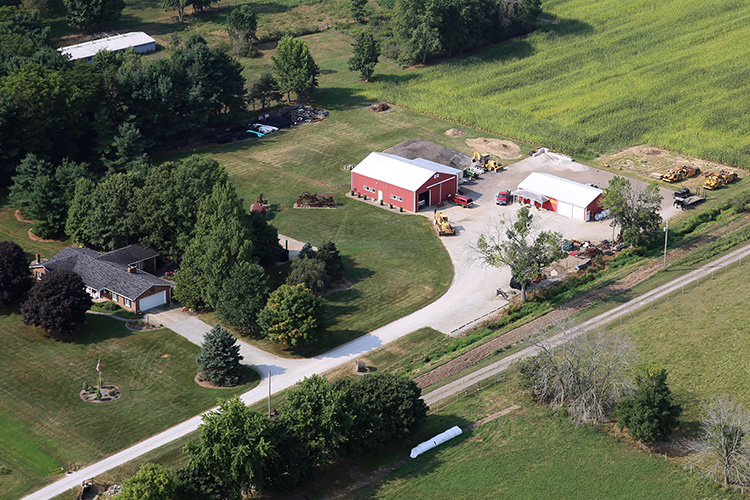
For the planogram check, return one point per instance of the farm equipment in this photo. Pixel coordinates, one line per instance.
(470, 175)
(308, 200)
(682, 173)
(716, 180)
(503, 198)
(459, 199)
(483, 160)
(261, 206)
(442, 226)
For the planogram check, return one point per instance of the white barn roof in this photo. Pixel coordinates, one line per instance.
(552, 186)
(112, 43)
(401, 172)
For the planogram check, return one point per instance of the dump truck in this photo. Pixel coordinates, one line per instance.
(442, 226)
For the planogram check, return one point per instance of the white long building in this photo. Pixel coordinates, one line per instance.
(138, 40)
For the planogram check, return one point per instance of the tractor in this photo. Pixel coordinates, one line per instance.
(442, 226)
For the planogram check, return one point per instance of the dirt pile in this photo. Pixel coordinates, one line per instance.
(506, 150)
(454, 132)
(420, 148)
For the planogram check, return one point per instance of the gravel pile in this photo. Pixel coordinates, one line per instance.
(419, 148)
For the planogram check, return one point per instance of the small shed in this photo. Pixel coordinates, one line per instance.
(566, 197)
(411, 184)
(138, 40)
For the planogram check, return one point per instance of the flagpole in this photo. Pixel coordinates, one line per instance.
(99, 369)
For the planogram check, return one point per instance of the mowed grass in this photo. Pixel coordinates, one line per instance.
(701, 337)
(12, 229)
(604, 75)
(45, 425)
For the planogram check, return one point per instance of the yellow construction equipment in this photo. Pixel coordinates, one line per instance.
(716, 180)
(442, 226)
(682, 173)
(483, 159)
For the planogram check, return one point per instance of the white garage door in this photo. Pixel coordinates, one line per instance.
(579, 213)
(151, 301)
(565, 209)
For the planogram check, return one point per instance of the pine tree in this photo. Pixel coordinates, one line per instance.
(650, 414)
(219, 359)
(244, 295)
(14, 273)
(330, 255)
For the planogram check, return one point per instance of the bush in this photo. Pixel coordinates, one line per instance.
(650, 414)
(741, 202)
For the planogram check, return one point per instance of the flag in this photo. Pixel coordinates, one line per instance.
(98, 365)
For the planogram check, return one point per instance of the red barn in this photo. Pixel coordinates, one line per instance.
(408, 184)
(568, 198)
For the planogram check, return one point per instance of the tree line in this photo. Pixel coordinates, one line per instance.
(239, 450)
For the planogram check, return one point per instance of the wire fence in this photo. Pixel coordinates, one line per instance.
(468, 391)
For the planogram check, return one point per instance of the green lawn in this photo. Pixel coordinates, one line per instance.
(602, 76)
(45, 425)
(701, 337)
(13, 230)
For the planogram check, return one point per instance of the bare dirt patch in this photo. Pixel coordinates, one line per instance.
(20, 218)
(34, 237)
(506, 150)
(454, 132)
(644, 160)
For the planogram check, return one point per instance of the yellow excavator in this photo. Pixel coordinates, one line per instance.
(442, 226)
(483, 159)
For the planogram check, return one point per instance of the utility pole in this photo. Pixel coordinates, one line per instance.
(666, 233)
(269, 394)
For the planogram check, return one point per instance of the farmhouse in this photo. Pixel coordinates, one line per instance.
(138, 40)
(408, 184)
(123, 276)
(568, 198)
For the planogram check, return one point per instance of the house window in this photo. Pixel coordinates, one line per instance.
(397, 198)
(368, 188)
(114, 297)
(126, 302)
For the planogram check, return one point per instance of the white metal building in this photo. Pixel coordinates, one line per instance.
(138, 40)
(568, 198)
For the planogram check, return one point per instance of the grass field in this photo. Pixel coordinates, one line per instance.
(45, 425)
(13, 230)
(602, 76)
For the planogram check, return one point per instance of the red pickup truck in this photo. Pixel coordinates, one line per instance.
(503, 198)
(459, 199)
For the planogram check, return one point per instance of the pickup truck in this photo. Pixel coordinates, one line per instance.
(503, 198)
(459, 199)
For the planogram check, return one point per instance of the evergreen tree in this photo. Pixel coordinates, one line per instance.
(222, 239)
(81, 206)
(128, 151)
(366, 53)
(14, 273)
(358, 9)
(307, 251)
(91, 13)
(330, 255)
(265, 90)
(294, 68)
(243, 296)
(266, 246)
(309, 272)
(219, 359)
(650, 414)
(292, 315)
(58, 303)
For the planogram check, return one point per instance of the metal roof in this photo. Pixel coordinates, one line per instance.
(560, 189)
(401, 172)
(112, 43)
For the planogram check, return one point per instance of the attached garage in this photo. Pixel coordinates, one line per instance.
(569, 198)
(151, 301)
(408, 184)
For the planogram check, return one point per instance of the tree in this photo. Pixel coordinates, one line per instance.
(178, 5)
(722, 452)
(128, 150)
(294, 68)
(14, 273)
(243, 296)
(265, 90)
(151, 482)
(196, 484)
(317, 414)
(307, 252)
(233, 448)
(650, 414)
(81, 206)
(518, 245)
(634, 208)
(331, 257)
(92, 13)
(222, 239)
(112, 222)
(292, 316)
(366, 53)
(58, 303)
(241, 25)
(309, 272)
(416, 26)
(358, 9)
(385, 407)
(586, 374)
(219, 359)
(266, 245)
(510, 11)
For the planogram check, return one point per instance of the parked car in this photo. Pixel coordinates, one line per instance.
(459, 199)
